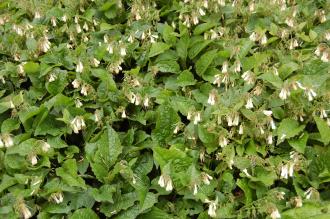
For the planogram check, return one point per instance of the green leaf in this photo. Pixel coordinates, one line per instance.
(204, 62)
(9, 125)
(324, 129)
(197, 48)
(287, 69)
(243, 184)
(273, 79)
(182, 47)
(31, 67)
(203, 27)
(68, 172)
(121, 202)
(299, 144)
(166, 122)
(288, 128)
(156, 213)
(168, 66)
(308, 210)
(84, 213)
(108, 148)
(158, 48)
(185, 78)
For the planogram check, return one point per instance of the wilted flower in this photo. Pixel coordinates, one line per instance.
(195, 189)
(79, 67)
(77, 124)
(165, 181)
(212, 207)
(275, 214)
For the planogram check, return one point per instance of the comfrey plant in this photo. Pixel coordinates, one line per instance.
(164, 109)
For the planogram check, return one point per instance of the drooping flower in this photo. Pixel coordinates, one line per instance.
(7, 140)
(95, 62)
(53, 21)
(267, 112)
(212, 207)
(24, 211)
(285, 93)
(165, 181)
(56, 197)
(241, 129)
(310, 94)
(123, 114)
(77, 124)
(206, 178)
(45, 146)
(79, 67)
(249, 104)
(223, 141)
(246, 173)
(75, 83)
(197, 118)
(270, 139)
(212, 98)
(298, 202)
(224, 67)
(33, 159)
(44, 44)
(248, 77)
(275, 214)
(84, 89)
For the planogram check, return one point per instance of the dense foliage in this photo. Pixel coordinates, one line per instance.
(164, 109)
